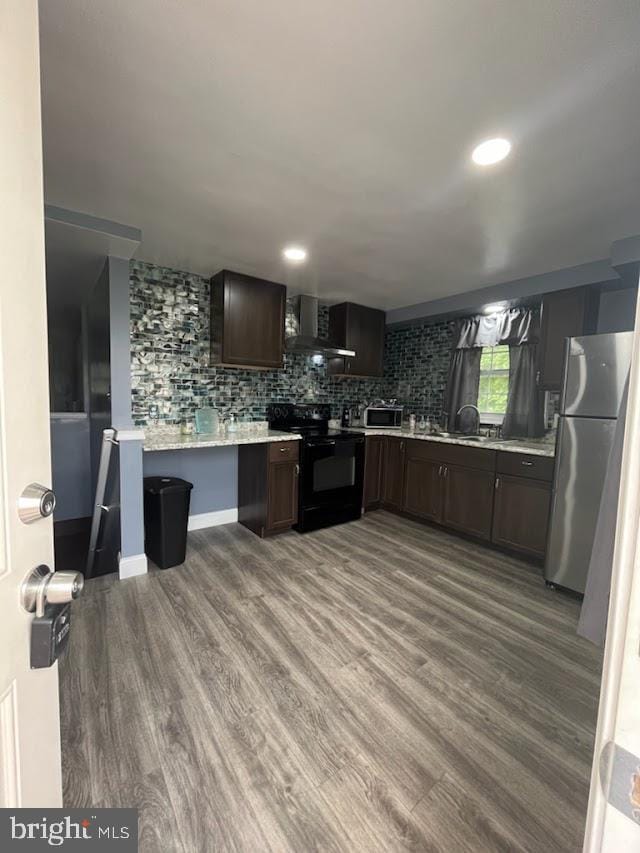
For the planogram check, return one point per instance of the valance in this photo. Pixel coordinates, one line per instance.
(514, 326)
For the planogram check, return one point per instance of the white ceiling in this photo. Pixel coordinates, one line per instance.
(225, 129)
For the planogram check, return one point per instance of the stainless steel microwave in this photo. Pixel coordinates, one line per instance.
(383, 417)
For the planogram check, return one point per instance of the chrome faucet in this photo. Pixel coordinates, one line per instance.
(476, 410)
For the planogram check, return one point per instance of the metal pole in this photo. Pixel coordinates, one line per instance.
(108, 440)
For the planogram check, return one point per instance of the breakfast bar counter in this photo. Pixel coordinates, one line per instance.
(174, 440)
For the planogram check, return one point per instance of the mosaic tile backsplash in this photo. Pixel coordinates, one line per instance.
(171, 376)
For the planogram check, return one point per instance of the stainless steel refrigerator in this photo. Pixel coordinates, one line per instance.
(595, 371)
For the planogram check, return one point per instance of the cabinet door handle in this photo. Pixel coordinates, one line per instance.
(440, 471)
(537, 377)
(528, 464)
(446, 471)
(497, 483)
(402, 446)
(283, 449)
(297, 470)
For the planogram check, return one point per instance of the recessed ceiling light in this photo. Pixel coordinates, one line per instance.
(295, 253)
(491, 151)
(494, 308)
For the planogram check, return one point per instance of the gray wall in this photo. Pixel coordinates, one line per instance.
(119, 340)
(617, 310)
(470, 302)
(131, 505)
(70, 464)
(213, 472)
(110, 395)
(130, 450)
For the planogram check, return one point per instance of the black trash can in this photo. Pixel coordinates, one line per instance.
(166, 514)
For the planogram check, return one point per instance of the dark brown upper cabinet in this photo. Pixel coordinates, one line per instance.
(247, 321)
(564, 314)
(358, 328)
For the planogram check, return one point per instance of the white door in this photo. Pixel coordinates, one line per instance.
(29, 719)
(613, 820)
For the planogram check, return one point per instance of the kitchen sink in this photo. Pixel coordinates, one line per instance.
(463, 437)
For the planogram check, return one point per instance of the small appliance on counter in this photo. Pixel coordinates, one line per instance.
(331, 465)
(383, 415)
(357, 414)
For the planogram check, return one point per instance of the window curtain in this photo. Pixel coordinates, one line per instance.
(464, 380)
(519, 328)
(514, 326)
(525, 404)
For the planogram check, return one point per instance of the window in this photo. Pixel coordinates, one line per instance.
(494, 384)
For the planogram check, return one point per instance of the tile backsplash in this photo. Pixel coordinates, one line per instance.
(171, 376)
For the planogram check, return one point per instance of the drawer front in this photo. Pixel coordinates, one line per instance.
(454, 454)
(526, 465)
(284, 451)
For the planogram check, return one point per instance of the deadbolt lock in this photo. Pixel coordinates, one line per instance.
(36, 502)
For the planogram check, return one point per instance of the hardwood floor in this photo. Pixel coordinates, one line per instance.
(377, 686)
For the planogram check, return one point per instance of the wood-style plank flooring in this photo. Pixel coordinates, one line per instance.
(377, 686)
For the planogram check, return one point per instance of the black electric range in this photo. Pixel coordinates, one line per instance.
(331, 465)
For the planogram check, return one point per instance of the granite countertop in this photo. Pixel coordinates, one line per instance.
(535, 447)
(175, 441)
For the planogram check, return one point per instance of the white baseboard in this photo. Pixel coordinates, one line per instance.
(212, 519)
(129, 567)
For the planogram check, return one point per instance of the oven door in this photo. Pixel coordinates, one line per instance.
(332, 472)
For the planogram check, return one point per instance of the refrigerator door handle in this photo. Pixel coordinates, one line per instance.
(565, 371)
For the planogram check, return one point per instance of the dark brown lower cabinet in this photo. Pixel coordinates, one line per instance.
(479, 492)
(373, 463)
(468, 500)
(393, 477)
(423, 487)
(268, 486)
(521, 514)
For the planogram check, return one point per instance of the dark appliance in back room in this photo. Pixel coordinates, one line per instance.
(331, 465)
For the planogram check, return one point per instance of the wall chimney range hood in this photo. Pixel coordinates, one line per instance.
(302, 330)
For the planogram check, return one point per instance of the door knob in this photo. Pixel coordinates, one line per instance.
(42, 586)
(35, 502)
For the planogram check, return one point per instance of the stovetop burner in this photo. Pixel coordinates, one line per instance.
(317, 432)
(310, 420)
